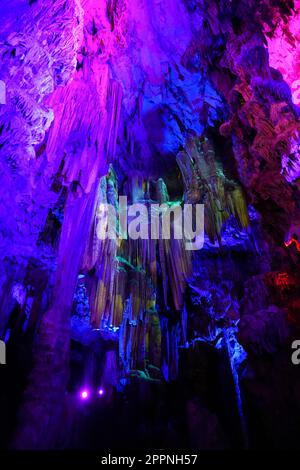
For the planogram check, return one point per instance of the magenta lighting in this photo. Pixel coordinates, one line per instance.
(100, 392)
(84, 394)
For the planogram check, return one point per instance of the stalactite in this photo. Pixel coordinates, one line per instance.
(78, 133)
(124, 277)
(115, 95)
(206, 183)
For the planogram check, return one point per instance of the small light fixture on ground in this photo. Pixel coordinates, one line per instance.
(84, 394)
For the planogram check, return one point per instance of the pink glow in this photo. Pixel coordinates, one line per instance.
(284, 52)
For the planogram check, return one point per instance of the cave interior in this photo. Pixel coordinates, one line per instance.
(140, 342)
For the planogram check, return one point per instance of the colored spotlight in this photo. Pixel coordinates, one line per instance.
(100, 392)
(84, 394)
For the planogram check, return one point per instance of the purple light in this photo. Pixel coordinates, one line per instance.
(101, 392)
(84, 394)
